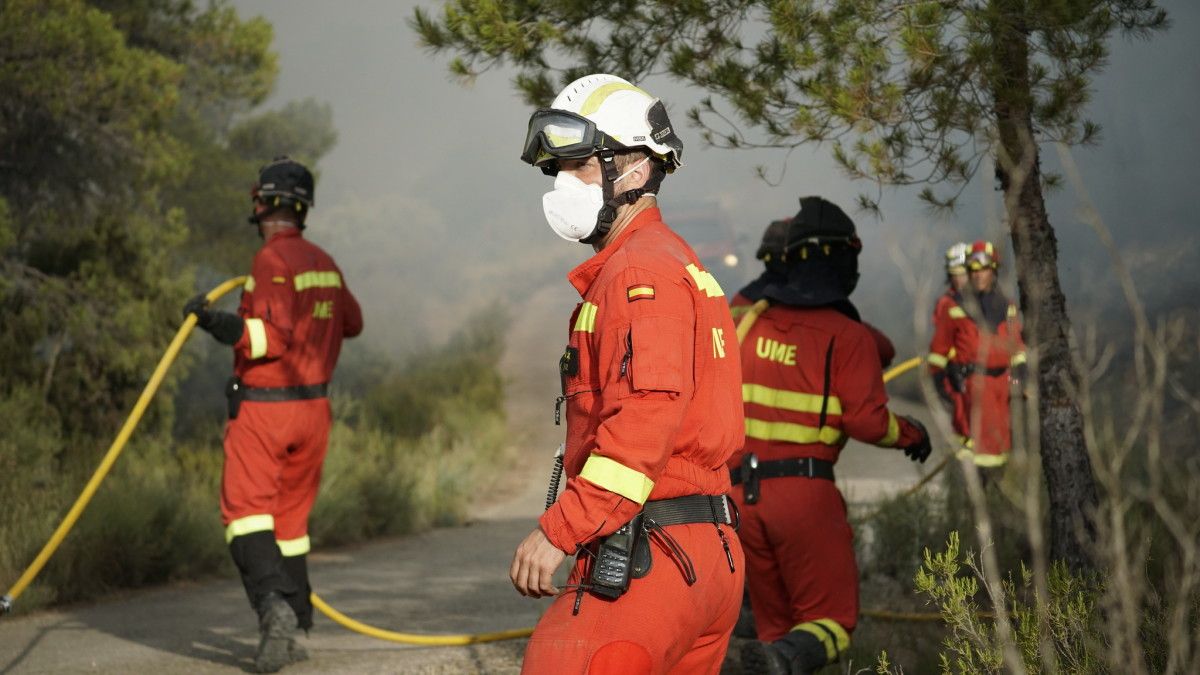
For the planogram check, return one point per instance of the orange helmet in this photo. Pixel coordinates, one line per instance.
(982, 256)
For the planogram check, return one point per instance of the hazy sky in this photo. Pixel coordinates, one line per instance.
(431, 213)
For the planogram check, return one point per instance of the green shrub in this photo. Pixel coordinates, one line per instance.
(156, 516)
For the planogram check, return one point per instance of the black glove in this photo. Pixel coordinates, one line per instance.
(939, 385)
(1018, 373)
(919, 450)
(226, 327)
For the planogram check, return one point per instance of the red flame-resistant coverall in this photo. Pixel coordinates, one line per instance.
(297, 310)
(740, 304)
(650, 379)
(942, 324)
(989, 351)
(800, 561)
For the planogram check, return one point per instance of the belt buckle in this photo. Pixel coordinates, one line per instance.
(808, 467)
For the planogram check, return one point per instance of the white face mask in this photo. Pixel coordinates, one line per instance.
(573, 206)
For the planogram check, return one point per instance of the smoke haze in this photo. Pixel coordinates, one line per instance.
(432, 216)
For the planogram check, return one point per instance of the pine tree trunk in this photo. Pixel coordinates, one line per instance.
(1065, 461)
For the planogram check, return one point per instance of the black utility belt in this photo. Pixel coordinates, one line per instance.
(625, 554)
(689, 509)
(752, 471)
(236, 392)
(302, 392)
(971, 369)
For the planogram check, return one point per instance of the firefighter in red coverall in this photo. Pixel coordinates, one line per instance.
(956, 282)
(984, 332)
(286, 337)
(650, 379)
(812, 380)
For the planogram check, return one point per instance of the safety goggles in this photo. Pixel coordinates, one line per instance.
(558, 134)
(980, 260)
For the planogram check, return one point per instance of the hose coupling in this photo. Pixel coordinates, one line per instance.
(6, 603)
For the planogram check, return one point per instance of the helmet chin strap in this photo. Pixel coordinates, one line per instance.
(608, 182)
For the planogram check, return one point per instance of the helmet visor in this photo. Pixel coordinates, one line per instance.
(980, 260)
(558, 134)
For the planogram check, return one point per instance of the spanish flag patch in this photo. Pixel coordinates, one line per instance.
(640, 292)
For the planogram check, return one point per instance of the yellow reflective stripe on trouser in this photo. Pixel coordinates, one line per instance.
(835, 638)
(793, 433)
(314, 279)
(294, 547)
(616, 477)
(789, 400)
(1017, 359)
(990, 461)
(258, 338)
(262, 522)
(586, 321)
(893, 432)
(937, 360)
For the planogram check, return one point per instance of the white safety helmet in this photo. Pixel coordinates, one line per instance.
(600, 112)
(956, 258)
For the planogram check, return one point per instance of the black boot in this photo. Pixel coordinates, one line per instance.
(277, 632)
(261, 565)
(797, 653)
(296, 567)
(763, 658)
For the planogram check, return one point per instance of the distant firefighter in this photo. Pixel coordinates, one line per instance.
(286, 336)
(956, 282)
(977, 351)
(811, 380)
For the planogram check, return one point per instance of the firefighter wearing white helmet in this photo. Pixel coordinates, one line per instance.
(948, 307)
(651, 389)
(601, 116)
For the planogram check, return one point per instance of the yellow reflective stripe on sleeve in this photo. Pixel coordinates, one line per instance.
(990, 461)
(1012, 311)
(586, 321)
(291, 548)
(306, 280)
(833, 637)
(263, 522)
(957, 312)
(1017, 359)
(789, 400)
(258, 338)
(893, 431)
(616, 477)
(937, 360)
(792, 433)
(737, 312)
(705, 281)
(249, 285)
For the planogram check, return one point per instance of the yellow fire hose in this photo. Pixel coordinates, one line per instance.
(135, 416)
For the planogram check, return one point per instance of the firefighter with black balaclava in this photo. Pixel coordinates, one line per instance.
(812, 380)
(772, 251)
(286, 336)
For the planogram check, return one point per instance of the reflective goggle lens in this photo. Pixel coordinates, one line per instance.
(979, 261)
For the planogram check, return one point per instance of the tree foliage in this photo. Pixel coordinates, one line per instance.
(904, 91)
(126, 138)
